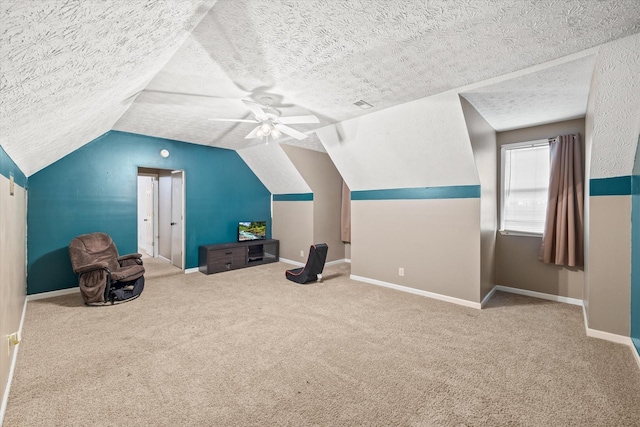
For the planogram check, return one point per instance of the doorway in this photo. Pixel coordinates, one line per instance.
(161, 215)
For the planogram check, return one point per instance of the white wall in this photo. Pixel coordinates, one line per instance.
(423, 143)
(272, 166)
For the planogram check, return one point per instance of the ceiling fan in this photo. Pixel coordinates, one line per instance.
(269, 122)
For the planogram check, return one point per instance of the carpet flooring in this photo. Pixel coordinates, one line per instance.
(249, 348)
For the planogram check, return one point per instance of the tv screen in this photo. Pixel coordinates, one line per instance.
(252, 230)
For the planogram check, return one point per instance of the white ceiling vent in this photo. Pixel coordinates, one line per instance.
(362, 104)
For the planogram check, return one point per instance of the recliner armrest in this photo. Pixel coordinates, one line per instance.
(129, 256)
(91, 267)
(130, 259)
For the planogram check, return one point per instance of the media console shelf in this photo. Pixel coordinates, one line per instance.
(231, 256)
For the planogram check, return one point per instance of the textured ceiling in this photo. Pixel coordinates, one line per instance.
(68, 68)
(559, 92)
(72, 70)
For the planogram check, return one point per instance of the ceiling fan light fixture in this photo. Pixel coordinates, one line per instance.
(266, 128)
(275, 133)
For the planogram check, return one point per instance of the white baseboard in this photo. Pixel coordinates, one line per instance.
(636, 355)
(607, 336)
(427, 294)
(14, 360)
(302, 264)
(288, 261)
(487, 297)
(164, 259)
(52, 294)
(540, 295)
(191, 270)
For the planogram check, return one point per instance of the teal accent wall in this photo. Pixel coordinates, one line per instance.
(8, 168)
(300, 197)
(447, 192)
(95, 189)
(616, 186)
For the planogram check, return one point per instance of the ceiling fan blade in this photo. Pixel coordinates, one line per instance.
(290, 131)
(253, 133)
(256, 110)
(292, 120)
(235, 120)
(184, 94)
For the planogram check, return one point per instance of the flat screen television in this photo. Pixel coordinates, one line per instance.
(252, 230)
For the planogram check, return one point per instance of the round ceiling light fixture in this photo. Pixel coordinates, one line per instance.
(164, 153)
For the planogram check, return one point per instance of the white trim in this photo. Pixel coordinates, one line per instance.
(164, 259)
(420, 292)
(348, 260)
(519, 233)
(607, 336)
(541, 295)
(636, 355)
(487, 297)
(14, 360)
(191, 270)
(52, 294)
(288, 261)
(327, 264)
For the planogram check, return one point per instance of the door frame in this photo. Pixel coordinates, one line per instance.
(152, 171)
(182, 218)
(155, 208)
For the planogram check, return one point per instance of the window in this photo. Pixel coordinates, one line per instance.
(525, 184)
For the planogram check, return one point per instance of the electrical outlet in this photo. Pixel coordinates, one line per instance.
(400, 271)
(12, 339)
(301, 254)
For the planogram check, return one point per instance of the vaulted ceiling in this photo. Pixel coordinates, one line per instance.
(72, 70)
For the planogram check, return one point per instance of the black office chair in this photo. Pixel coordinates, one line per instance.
(312, 271)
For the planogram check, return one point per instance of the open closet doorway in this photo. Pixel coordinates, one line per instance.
(161, 215)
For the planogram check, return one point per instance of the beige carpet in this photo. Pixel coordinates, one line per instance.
(249, 348)
(157, 267)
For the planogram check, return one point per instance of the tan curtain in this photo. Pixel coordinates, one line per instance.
(562, 240)
(346, 213)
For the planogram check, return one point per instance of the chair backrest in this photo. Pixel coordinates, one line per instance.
(92, 248)
(317, 258)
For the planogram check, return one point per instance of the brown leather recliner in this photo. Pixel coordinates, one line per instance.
(105, 277)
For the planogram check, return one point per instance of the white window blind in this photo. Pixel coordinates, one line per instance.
(525, 184)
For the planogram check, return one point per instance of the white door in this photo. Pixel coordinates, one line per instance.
(146, 214)
(177, 218)
(148, 217)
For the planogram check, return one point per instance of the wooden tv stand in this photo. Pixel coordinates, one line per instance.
(231, 256)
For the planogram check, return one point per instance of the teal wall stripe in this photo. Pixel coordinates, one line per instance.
(616, 186)
(298, 197)
(450, 192)
(8, 167)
